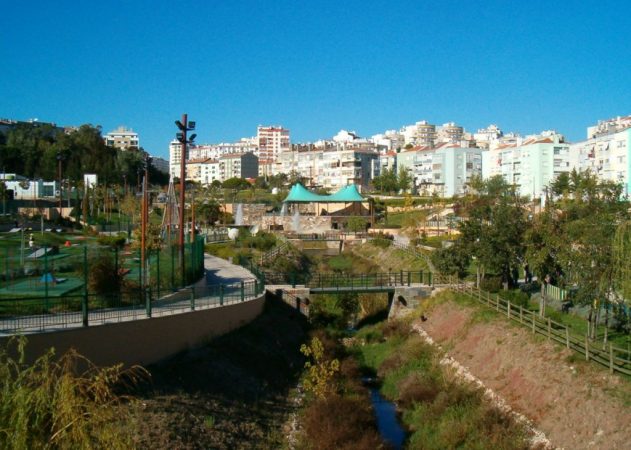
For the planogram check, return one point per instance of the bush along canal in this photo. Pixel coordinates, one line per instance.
(437, 409)
(380, 385)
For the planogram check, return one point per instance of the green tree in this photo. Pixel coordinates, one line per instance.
(454, 260)
(494, 229)
(386, 181)
(573, 240)
(208, 211)
(236, 183)
(404, 180)
(356, 224)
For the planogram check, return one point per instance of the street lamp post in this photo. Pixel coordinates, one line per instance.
(60, 158)
(184, 126)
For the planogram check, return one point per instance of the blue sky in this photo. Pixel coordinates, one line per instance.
(314, 67)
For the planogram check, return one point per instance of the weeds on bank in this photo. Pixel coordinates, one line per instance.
(440, 411)
(338, 414)
(64, 402)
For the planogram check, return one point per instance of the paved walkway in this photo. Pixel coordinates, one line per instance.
(204, 294)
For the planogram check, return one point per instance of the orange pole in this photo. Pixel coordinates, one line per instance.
(192, 218)
(143, 229)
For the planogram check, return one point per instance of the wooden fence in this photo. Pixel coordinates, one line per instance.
(615, 358)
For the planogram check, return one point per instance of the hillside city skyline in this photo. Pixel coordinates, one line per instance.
(315, 68)
(203, 137)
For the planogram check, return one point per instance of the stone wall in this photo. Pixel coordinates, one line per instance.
(307, 224)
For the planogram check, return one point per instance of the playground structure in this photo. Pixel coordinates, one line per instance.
(55, 278)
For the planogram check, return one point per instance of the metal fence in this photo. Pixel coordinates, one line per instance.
(615, 358)
(382, 279)
(83, 284)
(40, 314)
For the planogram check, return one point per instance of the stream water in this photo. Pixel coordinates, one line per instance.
(387, 421)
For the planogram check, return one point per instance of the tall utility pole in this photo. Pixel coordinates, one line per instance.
(143, 232)
(184, 126)
(183, 129)
(60, 158)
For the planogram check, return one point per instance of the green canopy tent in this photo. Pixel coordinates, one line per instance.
(348, 194)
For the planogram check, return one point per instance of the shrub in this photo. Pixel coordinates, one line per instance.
(418, 387)
(491, 284)
(516, 297)
(530, 288)
(320, 371)
(112, 241)
(341, 423)
(49, 404)
(103, 278)
(382, 241)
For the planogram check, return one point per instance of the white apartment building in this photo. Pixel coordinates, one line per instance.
(609, 126)
(391, 140)
(122, 138)
(203, 170)
(307, 164)
(453, 167)
(347, 166)
(332, 168)
(450, 133)
(238, 165)
(418, 162)
(175, 158)
(487, 137)
(530, 165)
(444, 169)
(423, 170)
(606, 154)
(387, 161)
(207, 151)
(215, 151)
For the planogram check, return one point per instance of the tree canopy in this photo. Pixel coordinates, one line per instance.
(35, 151)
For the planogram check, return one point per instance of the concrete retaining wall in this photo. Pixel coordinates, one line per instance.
(145, 341)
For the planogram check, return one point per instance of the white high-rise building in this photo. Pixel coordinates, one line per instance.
(609, 126)
(271, 141)
(606, 154)
(453, 167)
(122, 138)
(530, 165)
(488, 137)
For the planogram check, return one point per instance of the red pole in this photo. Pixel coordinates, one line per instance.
(182, 190)
(60, 197)
(192, 218)
(143, 231)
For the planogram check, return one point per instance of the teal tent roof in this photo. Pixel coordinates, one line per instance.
(300, 194)
(346, 194)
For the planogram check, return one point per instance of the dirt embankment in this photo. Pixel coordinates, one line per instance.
(576, 404)
(231, 393)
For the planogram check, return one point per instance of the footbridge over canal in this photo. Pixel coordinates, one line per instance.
(403, 287)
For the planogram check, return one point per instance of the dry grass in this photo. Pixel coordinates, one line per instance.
(64, 402)
(340, 422)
